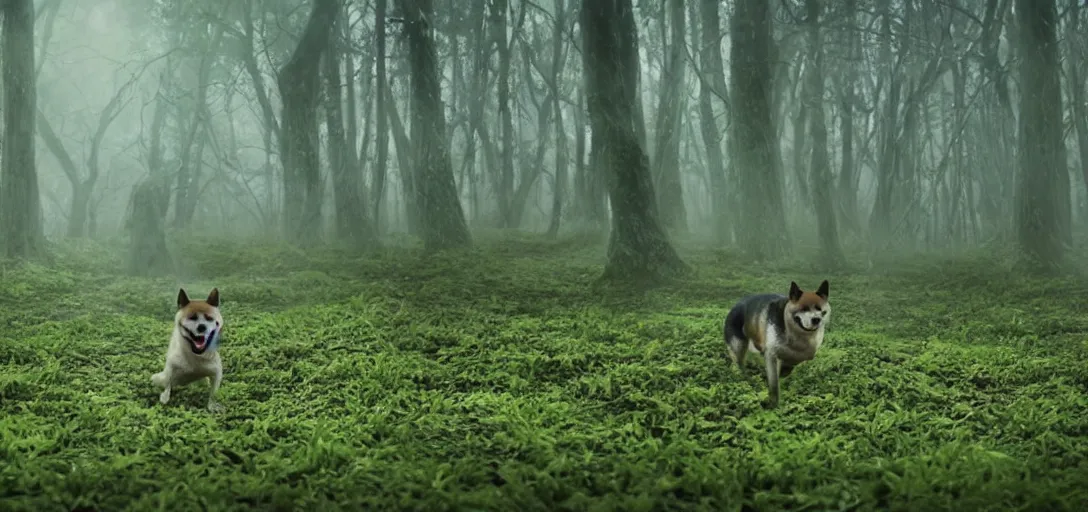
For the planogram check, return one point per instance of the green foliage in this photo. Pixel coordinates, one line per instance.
(499, 379)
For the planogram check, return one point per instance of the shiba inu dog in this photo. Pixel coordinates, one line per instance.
(193, 353)
(786, 330)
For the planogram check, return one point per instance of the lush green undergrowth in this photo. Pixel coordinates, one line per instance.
(502, 379)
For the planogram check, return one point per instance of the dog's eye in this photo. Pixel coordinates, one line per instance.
(208, 318)
(193, 317)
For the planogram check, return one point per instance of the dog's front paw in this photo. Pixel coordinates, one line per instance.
(164, 397)
(216, 407)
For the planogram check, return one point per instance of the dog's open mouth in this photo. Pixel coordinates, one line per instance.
(199, 343)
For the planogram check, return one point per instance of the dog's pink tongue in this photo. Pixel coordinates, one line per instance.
(200, 343)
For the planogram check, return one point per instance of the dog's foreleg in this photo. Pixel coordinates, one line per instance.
(773, 366)
(165, 378)
(214, 381)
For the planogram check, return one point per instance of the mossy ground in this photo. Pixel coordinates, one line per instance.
(501, 379)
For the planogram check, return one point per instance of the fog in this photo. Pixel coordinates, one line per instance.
(930, 93)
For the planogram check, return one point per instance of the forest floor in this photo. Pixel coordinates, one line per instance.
(501, 379)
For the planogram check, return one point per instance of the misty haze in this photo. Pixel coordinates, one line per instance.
(521, 255)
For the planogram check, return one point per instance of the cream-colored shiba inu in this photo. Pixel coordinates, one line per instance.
(193, 353)
(787, 330)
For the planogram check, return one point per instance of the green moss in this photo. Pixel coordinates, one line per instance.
(500, 378)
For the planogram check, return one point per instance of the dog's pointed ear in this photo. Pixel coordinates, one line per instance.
(183, 299)
(795, 291)
(213, 298)
(823, 290)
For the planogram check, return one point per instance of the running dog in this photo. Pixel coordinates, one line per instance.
(786, 330)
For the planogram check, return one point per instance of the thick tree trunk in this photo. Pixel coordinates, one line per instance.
(442, 220)
(148, 253)
(299, 82)
(762, 222)
(21, 231)
(638, 247)
(1042, 147)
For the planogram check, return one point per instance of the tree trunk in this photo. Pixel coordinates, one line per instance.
(352, 224)
(377, 188)
(481, 71)
(442, 219)
(1077, 86)
(561, 158)
(800, 122)
(21, 231)
(299, 83)
(880, 219)
(156, 168)
(591, 200)
(505, 192)
(354, 151)
(1042, 147)
(639, 119)
(666, 154)
(148, 253)
(762, 222)
(271, 128)
(827, 224)
(638, 247)
(188, 177)
(710, 60)
(847, 186)
(405, 160)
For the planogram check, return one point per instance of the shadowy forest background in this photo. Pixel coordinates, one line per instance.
(852, 127)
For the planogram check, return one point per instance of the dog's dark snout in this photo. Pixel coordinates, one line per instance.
(815, 320)
(201, 328)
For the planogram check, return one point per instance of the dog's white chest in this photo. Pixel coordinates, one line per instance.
(793, 349)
